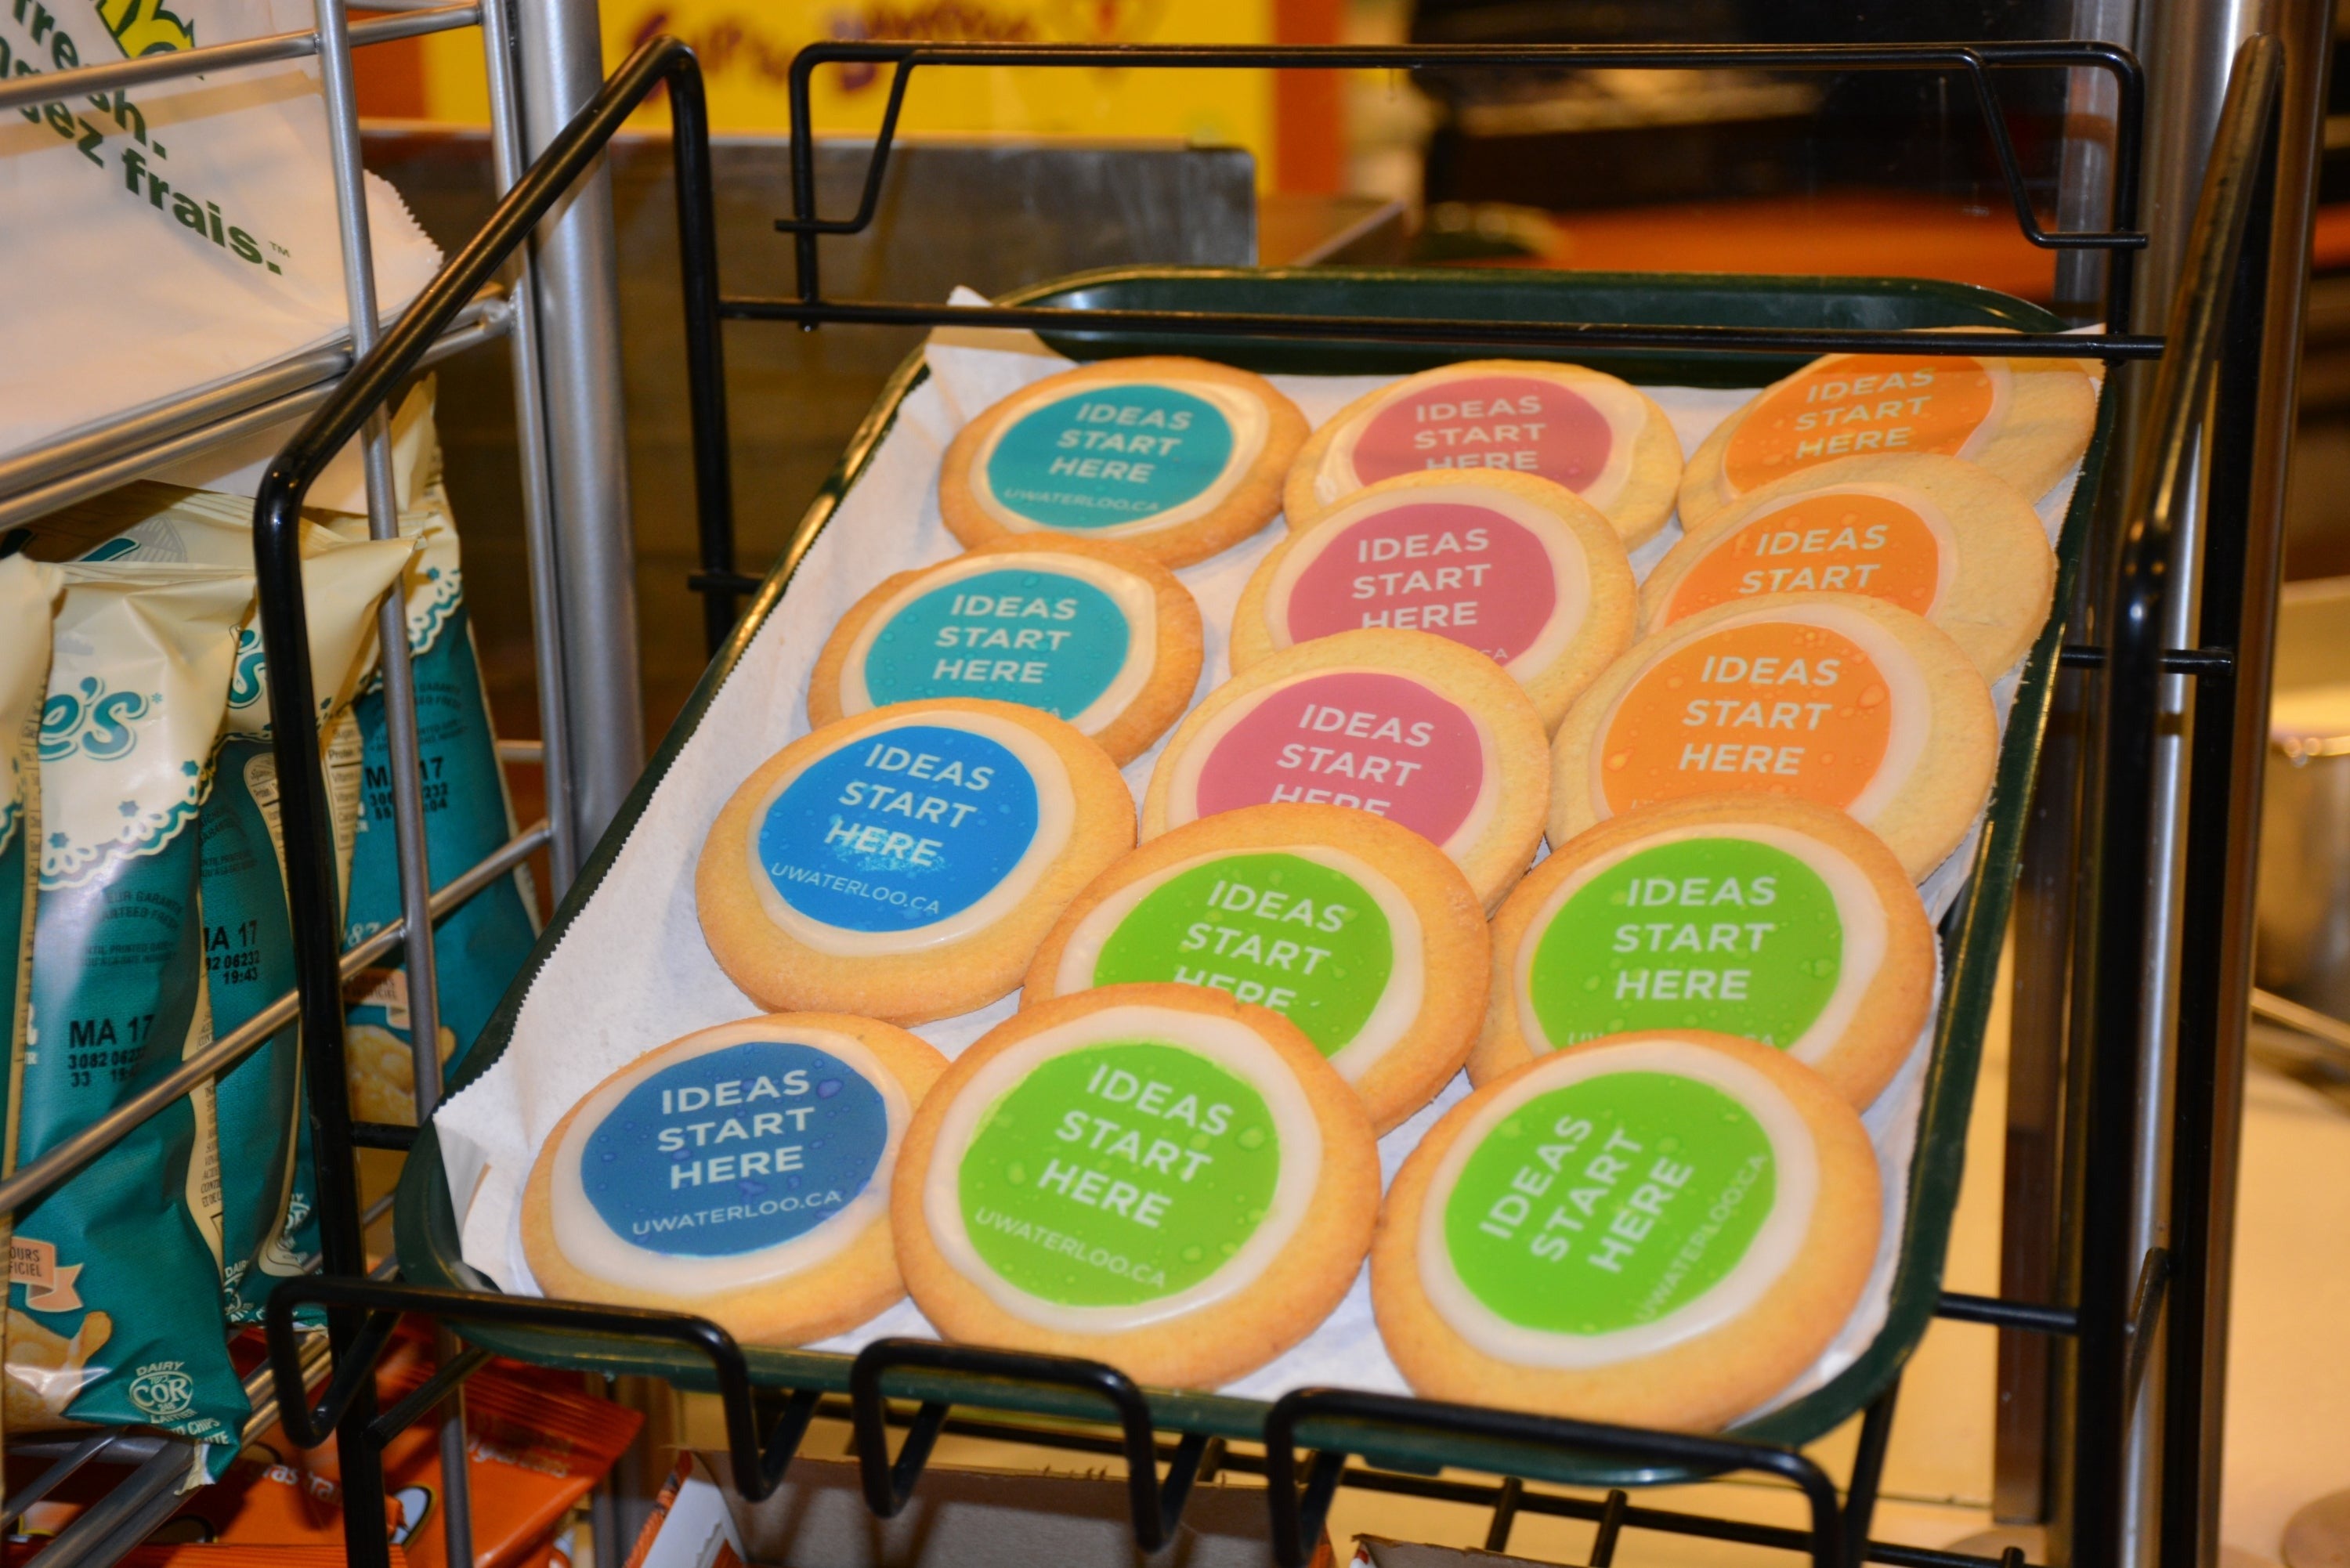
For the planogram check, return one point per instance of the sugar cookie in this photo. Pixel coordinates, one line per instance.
(1359, 931)
(2026, 421)
(1127, 1175)
(1601, 438)
(1656, 1230)
(740, 1173)
(1178, 458)
(1402, 724)
(1522, 570)
(904, 864)
(1936, 535)
(1086, 630)
(1832, 698)
(1761, 915)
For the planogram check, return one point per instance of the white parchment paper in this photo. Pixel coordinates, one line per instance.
(632, 972)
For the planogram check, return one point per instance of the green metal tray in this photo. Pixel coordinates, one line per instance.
(425, 1225)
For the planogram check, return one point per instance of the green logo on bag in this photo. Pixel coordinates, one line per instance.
(165, 1391)
(245, 684)
(94, 720)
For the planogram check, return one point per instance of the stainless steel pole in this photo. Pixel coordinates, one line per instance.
(383, 522)
(398, 692)
(575, 289)
(2187, 47)
(2263, 391)
(509, 155)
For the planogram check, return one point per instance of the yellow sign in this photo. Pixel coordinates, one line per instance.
(746, 47)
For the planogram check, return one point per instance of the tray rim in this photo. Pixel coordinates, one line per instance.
(425, 1230)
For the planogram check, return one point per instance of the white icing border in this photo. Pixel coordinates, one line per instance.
(1056, 812)
(1134, 598)
(1927, 511)
(1570, 569)
(1911, 704)
(1399, 1002)
(1230, 1045)
(1252, 425)
(1773, 1251)
(590, 1245)
(1857, 905)
(1183, 782)
(1623, 408)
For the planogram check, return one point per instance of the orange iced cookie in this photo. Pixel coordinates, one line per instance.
(1831, 697)
(2026, 421)
(1938, 536)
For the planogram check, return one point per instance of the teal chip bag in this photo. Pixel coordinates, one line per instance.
(480, 946)
(248, 924)
(28, 594)
(114, 1313)
(248, 930)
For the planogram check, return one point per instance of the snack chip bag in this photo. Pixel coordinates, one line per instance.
(114, 1313)
(248, 926)
(481, 945)
(28, 593)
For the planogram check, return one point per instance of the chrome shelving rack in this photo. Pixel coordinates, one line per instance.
(98, 457)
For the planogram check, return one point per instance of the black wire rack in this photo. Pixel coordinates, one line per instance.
(2212, 340)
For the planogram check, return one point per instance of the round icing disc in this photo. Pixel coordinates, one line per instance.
(904, 863)
(1088, 631)
(1430, 735)
(1837, 698)
(1601, 438)
(2026, 421)
(1175, 458)
(1938, 537)
(1360, 932)
(1658, 1230)
(1126, 1175)
(1517, 568)
(1761, 915)
(740, 1173)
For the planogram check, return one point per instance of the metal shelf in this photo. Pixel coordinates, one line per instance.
(101, 456)
(345, 389)
(2207, 343)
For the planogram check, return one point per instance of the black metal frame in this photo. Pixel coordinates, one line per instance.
(2111, 1335)
(2215, 333)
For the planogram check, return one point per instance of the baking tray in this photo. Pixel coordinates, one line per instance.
(425, 1226)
